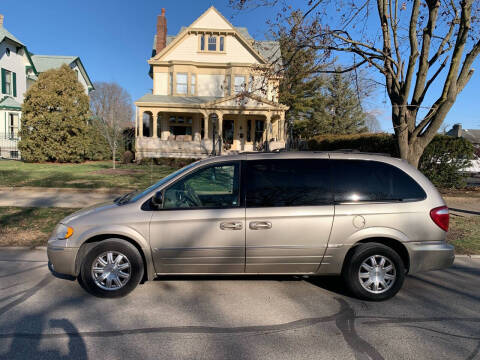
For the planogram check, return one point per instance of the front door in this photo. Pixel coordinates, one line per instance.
(201, 226)
(289, 214)
(228, 131)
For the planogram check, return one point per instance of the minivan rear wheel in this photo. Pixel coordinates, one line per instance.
(112, 268)
(374, 272)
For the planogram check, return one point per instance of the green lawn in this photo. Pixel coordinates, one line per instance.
(89, 175)
(464, 234)
(29, 226)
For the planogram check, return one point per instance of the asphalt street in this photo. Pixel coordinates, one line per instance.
(435, 316)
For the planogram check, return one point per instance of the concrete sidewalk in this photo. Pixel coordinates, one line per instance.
(56, 197)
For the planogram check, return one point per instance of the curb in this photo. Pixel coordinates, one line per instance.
(69, 190)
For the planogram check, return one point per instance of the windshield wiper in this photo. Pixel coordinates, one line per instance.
(125, 198)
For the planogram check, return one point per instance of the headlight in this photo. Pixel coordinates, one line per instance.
(63, 232)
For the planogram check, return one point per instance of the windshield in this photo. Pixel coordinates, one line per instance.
(137, 194)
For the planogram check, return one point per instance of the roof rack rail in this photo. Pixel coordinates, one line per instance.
(356, 151)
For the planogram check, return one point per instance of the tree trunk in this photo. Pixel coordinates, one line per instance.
(409, 148)
(113, 156)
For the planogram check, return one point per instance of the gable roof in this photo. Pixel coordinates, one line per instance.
(46, 62)
(270, 50)
(4, 33)
(471, 135)
(10, 103)
(247, 41)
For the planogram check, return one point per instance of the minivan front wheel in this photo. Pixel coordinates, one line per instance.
(112, 268)
(374, 272)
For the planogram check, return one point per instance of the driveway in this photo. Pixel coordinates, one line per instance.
(435, 316)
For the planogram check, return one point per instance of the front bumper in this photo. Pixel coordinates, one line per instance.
(61, 259)
(432, 255)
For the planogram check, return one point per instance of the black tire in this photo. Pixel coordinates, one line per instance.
(117, 246)
(364, 252)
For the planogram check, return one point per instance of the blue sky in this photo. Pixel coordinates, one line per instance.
(114, 40)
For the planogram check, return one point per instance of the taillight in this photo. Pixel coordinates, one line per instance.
(440, 217)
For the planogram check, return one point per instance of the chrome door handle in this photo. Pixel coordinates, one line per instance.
(231, 226)
(260, 225)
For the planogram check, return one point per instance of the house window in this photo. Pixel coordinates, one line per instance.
(222, 43)
(182, 83)
(239, 84)
(212, 43)
(7, 78)
(13, 126)
(180, 125)
(171, 83)
(7, 51)
(202, 42)
(193, 80)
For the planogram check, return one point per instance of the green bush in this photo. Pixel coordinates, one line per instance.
(165, 161)
(97, 147)
(443, 160)
(54, 118)
(127, 157)
(377, 143)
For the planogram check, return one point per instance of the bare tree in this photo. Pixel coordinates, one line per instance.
(111, 106)
(422, 51)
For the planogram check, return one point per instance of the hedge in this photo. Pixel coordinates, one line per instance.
(442, 160)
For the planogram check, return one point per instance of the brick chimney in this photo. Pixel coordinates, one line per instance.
(161, 32)
(1, 20)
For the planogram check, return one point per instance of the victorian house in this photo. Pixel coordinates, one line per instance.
(210, 92)
(19, 69)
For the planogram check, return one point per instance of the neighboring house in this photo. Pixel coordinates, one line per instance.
(19, 70)
(46, 62)
(474, 137)
(208, 92)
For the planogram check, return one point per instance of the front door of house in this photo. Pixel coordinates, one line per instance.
(228, 132)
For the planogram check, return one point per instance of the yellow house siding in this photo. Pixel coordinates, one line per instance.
(211, 19)
(160, 83)
(210, 85)
(187, 50)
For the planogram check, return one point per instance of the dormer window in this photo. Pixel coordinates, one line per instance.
(212, 43)
(222, 43)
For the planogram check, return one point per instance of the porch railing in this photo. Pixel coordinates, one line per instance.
(9, 147)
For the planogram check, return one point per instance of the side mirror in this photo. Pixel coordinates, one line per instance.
(157, 200)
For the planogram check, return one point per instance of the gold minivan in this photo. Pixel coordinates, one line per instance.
(370, 218)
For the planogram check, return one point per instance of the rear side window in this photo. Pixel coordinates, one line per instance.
(358, 180)
(296, 182)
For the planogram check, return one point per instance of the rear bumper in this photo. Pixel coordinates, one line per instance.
(61, 260)
(432, 255)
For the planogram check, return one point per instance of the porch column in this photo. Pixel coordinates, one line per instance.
(140, 124)
(154, 125)
(220, 133)
(220, 123)
(282, 126)
(136, 121)
(205, 126)
(164, 127)
(268, 121)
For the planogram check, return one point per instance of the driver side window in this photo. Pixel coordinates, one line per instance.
(215, 186)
